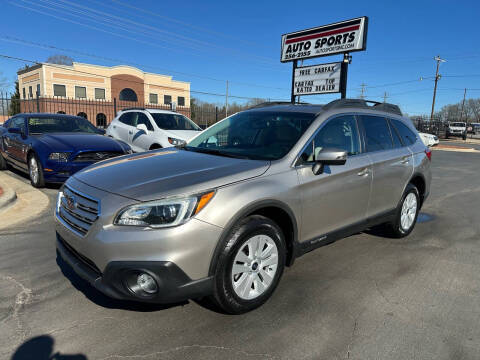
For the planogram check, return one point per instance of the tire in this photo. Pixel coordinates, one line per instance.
(3, 163)
(35, 171)
(464, 137)
(155, 147)
(256, 276)
(397, 228)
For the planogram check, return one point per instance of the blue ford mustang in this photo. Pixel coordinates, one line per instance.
(51, 147)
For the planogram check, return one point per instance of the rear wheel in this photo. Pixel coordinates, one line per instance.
(35, 171)
(155, 147)
(406, 213)
(250, 265)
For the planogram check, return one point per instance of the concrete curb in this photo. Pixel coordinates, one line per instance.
(29, 202)
(7, 196)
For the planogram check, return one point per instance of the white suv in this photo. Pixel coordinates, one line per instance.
(148, 129)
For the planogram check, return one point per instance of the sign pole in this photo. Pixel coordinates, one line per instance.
(347, 59)
(295, 63)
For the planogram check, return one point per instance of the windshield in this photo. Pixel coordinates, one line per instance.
(458, 124)
(63, 124)
(174, 122)
(254, 135)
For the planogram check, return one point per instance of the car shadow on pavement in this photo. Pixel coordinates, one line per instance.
(27, 178)
(102, 300)
(41, 348)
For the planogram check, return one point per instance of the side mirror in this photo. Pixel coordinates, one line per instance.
(15, 130)
(328, 157)
(143, 128)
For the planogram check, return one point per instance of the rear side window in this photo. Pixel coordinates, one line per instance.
(395, 136)
(408, 136)
(377, 133)
(126, 118)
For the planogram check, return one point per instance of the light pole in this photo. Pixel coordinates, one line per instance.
(438, 59)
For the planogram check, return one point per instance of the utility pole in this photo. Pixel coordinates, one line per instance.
(438, 59)
(362, 92)
(463, 104)
(226, 101)
(385, 96)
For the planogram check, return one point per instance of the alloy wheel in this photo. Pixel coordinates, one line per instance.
(33, 169)
(254, 267)
(409, 211)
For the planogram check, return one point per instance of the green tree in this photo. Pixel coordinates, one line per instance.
(15, 101)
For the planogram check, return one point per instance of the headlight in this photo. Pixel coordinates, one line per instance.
(163, 213)
(59, 156)
(176, 142)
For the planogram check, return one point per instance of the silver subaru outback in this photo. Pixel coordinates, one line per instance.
(223, 215)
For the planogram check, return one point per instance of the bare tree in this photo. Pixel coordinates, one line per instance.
(60, 60)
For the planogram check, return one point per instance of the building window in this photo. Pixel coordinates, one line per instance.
(38, 89)
(59, 90)
(128, 94)
(30, 92)
(24, 94)
(101, 120)
(167, 99)
(80, 92)
(153, 98)
(100, 94)
(181, 101)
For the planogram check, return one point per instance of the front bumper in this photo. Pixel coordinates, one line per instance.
(173, 284)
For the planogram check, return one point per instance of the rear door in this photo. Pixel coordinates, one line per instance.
(392, 164)
(124, 127)
(339, 196)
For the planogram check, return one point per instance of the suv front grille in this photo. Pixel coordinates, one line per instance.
(79, 211)
(93, 156)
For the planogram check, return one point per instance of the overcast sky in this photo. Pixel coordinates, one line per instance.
(209, 42)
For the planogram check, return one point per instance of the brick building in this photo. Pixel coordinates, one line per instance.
(97, 92)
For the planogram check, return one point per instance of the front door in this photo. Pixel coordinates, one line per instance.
(337, 198)
(139, 139)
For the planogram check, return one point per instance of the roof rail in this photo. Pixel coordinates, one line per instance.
(341, 103)
(273, 103)
(133, 108)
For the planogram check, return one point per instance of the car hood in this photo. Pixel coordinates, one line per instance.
(182, 134)
(79, 142)
(156, 174)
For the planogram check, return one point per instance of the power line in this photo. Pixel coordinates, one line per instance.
(63, 67)
(115, 60)
(114, 21)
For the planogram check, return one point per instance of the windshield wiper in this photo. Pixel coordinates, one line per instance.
(215, 152)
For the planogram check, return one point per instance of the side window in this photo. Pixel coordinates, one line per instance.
(407, 135)
(377, 133)
(340, 133)
(126, 118)
(7, 123)
(19, 122)
(396, 138)
(143, 119)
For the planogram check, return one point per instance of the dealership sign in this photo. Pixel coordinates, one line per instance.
(317, 79)
(342, 37)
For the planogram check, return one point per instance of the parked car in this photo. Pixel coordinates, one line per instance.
(429, 139)
(148, 129)
(52, 147)
(458, 129)
(475, 128)
(224, 214)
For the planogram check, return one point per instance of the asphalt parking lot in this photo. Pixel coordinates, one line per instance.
(364, 297)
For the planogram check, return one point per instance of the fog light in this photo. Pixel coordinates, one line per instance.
(147, 283)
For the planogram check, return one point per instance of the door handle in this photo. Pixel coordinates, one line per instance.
(405, 160)
(114, 127)
(363, 172)
(130, 132)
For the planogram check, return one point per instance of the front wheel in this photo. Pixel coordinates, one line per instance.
(250, 265)
(406, 214)
(35, 170)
